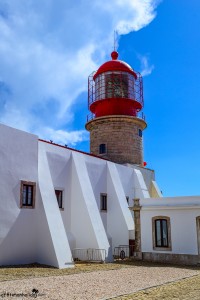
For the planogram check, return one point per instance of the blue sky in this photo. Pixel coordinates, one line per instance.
(48, 48)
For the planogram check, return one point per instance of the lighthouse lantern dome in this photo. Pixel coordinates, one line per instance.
(115, 89)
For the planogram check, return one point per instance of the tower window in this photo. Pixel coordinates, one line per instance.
(27, 199)
(102, 148)
(140, 132)
(103, 199)
(59, 196)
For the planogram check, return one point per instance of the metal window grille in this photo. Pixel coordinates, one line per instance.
(27, 195)
(161, 233)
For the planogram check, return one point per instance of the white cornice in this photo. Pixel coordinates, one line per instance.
(170, 207)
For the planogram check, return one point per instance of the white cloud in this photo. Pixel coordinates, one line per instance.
(47, 50)
(136, 14)
(146, 68)
(63, 137)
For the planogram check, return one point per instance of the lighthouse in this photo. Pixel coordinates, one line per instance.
(116, 121)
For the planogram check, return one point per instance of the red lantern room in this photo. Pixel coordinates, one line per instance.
(115, 89)
(115, 98)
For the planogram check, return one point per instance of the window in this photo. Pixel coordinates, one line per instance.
(140, 132)
(161, 233)
(59, 196)
(103, 199)
(127, 199)
(116, 85)
(27, 198)
(102, 148)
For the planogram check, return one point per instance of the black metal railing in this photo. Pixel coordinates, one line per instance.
(91, 254)
(123, 252)
(115, 84)
(139, 115)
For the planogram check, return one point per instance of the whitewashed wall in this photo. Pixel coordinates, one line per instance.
(18, 161)
(47, 234)
(59, 160)
(61, 254)
(119, 218)
(97, 171)
(127, 181)
(148, 175)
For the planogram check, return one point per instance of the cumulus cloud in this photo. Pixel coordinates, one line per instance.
(47, 50)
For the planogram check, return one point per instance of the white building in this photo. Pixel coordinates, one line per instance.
(55, 200)
(93, 211)
(179, 220)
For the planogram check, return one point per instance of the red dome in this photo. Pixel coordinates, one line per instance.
(115, 65)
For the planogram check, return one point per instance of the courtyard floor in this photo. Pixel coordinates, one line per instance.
(119, 281)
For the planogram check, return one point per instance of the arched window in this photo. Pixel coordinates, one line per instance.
(161, 233)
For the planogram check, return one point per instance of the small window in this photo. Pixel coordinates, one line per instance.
(102, 148)
(140, 132)
(127, 199)
(59, 196)
(27, 199)
(103, 202)
(161, 233)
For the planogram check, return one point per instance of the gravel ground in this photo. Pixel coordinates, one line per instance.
(95, 285)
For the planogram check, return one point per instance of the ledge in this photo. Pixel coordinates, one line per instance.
(113, 118)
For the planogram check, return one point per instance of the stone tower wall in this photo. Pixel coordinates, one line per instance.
(121, 136)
